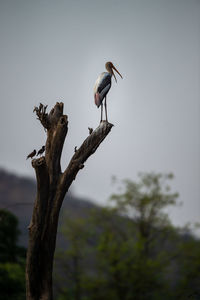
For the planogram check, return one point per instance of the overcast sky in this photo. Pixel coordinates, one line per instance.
(54, 50)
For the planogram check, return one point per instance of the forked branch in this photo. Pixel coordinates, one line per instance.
(52, 186)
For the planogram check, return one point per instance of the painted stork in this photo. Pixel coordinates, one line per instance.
(103, 85)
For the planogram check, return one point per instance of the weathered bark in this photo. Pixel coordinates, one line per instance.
(52, 186)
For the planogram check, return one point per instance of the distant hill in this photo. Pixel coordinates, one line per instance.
(17, 195)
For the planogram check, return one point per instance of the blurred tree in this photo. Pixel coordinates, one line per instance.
(130, 242)
(73, 260)
(189, 267)
(8, 236)
(130, 250)
(12, 259)
(12, 281)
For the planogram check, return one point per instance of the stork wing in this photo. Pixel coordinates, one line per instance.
(104, 81)
(102, 87)
(98, 97)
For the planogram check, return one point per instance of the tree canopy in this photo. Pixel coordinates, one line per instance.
(12, 259)
(130, 250)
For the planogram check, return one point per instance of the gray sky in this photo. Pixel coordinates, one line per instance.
(54, 50)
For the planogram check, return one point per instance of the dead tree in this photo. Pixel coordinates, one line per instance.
(52, 185)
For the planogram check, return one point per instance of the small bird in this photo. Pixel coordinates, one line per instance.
(103, 85)
(41, 150)
(31, 154)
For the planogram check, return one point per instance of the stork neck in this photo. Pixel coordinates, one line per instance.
(110, 73)
(109, 70)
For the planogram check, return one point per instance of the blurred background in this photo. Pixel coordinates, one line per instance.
(54, 51)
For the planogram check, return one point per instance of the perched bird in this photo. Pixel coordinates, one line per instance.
(41, 150)
(103, 85)
(31, 154)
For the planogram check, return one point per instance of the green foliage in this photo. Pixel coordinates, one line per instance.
(12, 259)
(8, 236)
(130, 250)
(189, 261)
(12, 281)
(146, 199)
(71, 260)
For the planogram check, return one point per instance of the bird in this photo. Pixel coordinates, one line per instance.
(103, 85)
(31, 154)
(41, 150)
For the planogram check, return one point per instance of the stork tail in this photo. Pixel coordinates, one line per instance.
(97, 99)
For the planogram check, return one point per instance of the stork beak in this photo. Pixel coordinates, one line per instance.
(117, 72)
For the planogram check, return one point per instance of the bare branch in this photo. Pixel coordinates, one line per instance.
(42, 115)
(88, 147)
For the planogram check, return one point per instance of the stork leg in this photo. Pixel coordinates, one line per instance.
(101, 112)
(106, 110)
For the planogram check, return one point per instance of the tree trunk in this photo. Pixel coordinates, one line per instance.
(52, 186)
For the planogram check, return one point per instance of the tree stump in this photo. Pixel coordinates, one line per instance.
(52, 185)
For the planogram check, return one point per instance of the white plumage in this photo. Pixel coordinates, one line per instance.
(103, 85)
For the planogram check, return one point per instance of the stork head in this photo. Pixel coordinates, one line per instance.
(110, 67)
